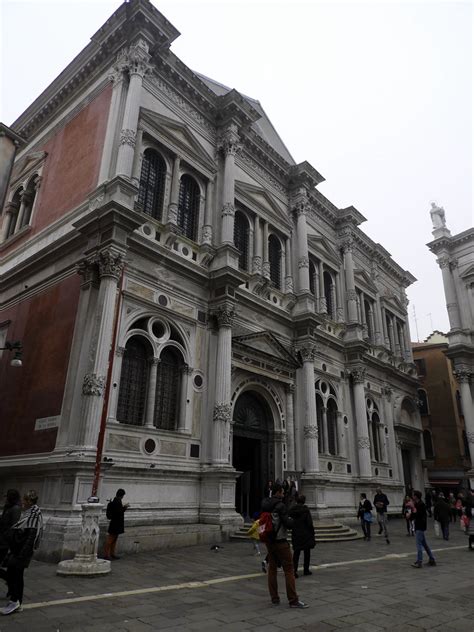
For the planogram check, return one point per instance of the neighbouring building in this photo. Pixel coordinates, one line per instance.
(455, 257)
(445, 440)
(255, 331)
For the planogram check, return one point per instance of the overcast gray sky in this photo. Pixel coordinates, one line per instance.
(378, 96)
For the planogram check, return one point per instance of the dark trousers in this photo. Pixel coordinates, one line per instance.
(306, 559)
(365, 528)
(110, 544)
(13, 575)
(444, 529)
(281, 552)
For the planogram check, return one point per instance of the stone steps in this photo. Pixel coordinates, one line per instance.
(324, 532)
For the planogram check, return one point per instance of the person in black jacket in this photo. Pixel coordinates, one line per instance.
(420, 528)
(115, 513)
(364, 513)
(381, 503)
(441, 514)
(10, 515)
(302, 534)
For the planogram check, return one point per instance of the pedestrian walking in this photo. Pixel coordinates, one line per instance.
(268, 490)
(453, 512)
(115, 513)
(468, 515)
(10, 515)
(429, 502)
(279, 549)
(23, 538)
(381, 503)
(302, 534)
(253, 533)
(407, 512)
(441, 514)
(364, 513)
(420, 529)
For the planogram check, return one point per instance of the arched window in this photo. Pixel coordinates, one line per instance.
(312, 278)
(28, 200)
(168, 388)
(319, 417)
(332, 426)
(329, 294)
(369, 319)
(188, 206)
(375, 423)
(274, 256)
(14, 209)
(428, 442)
(133, 382)
(241, 239)
(152, 184)
(423, 402)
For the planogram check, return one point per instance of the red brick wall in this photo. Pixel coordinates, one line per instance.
(45, 325)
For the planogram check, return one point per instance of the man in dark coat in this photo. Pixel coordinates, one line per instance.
(381, 503)
(10, 515)
(115, 513)
(442, 514)
(420, 528)
(302, 534)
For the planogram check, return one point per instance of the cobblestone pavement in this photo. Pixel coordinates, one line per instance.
(359, 586)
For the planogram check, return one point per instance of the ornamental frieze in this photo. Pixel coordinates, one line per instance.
(128, 137)
(222, 413)
(93, 384)
(310, 432)
(363, 443)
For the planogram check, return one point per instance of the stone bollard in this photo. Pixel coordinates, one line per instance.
(86, 561)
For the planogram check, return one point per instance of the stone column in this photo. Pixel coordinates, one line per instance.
(332, 292)
(452, 304)
(137, 64)
(257, 250)
(117, 77)
(111, 263)
(325, 441)
(464, 378)
(391, 335)
(229, 145)
(174, 197)
(373, 337)
(341, 444)
(323, 308)
(289, 275)
(392, 445)
(9, 219)
(340, 301)
(379, 329)
(290, 429)
(363, 440)
(362, 316)
(150, 403)
(222, 407)
(266, 261)
(183, 398)
(350, 282)
(308, 353)
(25, 198)
(137, 159)
(301, 210)
(207, 228)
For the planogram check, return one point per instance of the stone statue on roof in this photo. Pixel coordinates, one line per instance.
(437, 216)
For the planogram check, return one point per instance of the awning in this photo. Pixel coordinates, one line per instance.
(446, 481)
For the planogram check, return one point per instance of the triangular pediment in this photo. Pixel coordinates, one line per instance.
(322, 247)
(258, 200)
(266, 343)
(365, 281)
(177, 136)
(30, 163)
(468, 272)
(393, 301)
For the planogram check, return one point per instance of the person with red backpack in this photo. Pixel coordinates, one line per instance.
(274, 522)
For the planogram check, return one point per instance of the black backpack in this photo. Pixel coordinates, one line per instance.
(109, 512)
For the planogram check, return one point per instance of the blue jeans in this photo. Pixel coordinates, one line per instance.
(420, 545)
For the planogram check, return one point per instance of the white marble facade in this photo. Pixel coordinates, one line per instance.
(260, 329)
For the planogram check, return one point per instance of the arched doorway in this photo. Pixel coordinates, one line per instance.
(252, 422)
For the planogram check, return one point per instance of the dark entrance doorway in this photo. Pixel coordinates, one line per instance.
(407, 469)
(251, 454)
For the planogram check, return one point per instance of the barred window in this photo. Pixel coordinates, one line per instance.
(375, 437)
(332, 426)
(133, 382)
(274, 256)
(168, 387)
(188, 206)
(152, 184)
(14, 210)
(241, 239)
(312, 275)
(328, 293)
(319, 418)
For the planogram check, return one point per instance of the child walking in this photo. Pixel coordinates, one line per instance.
(254, 535)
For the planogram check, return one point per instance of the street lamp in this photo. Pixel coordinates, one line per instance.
(17, 348)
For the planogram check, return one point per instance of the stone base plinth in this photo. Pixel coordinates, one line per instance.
(84, 567)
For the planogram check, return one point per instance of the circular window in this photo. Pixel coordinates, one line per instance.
(158, 329)
(162, 300)
(369, 403)
(386, 431)
(198, 381)
(275, 300)
(329, 329)
(324, 387)
(330, 467)
(185, 251)
(147, 229)
(346, 421)
(376, 471)
(150, 446)
(324, 367)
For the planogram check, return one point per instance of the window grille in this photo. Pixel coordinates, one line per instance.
(332, 424)
(274, 256)
(133, 383)
(375, 437)
(312, 274)
(152, 184)
(319, 418)
(168, 386)
(188, 206)
(241, 239)
(328, 294)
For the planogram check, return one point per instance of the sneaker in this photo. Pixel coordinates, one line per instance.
(308, 573)
(264, 567)
(388, 541)
(299, 604)
(275, 602)
(380, 532)
(417, 565)
(12, 606)
(432, 563)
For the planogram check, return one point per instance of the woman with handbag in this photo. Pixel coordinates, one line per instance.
(365, 516)
(302, 534)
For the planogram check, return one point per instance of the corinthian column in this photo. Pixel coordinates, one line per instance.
(117, 77)
(229, 145)
(136, 61)
(452, 304)
(290, 429)
(464, 378)
(207, 228)
(350, 282)
(300, 209)
(222, 408)
(310, 429)
(363, 441)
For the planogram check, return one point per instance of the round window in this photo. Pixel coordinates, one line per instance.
(150, 446)
(198, 381)
(162, 300)
(376, 471)
(324, 367)
(185, 251)
(158, 329)
(330, 467)
(346, 421)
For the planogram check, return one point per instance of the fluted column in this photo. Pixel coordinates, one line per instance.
(452, 304)
(288, 271)
(174, 197)
(363, 440)
(207, 228)
(229, 145)
(311, 461)
(266, 260)
(301, 210)
(257, 250)
(351, 295)
(183, 398)
(117, 77)
(110, 264)
(379, 329)
(339, 300)
(222, 407)
(137, 63)
(323, 308)
(151, 394)
(325, 442)
(290, 429)
(464, 378)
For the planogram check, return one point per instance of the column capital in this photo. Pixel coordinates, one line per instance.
(308, 351)
(387, 392)
(224, 315)
(228, 209)
(222, 413)
(444, 261)
(119, 351)
(358, 374)
(301, 208)
(303, 262)
(111, 263)
(88, 270)
(346, 243)
(128, 137)
(463, 376)
(93, 384)
(137, 58)
(229, 141)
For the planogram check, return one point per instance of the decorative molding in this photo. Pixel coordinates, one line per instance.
(463, 376)
(228, 209)
(358, 374)
(224, 316)
(255, 167)
(222, 413)
(128, 137)
(207, 234)
(110, 264)
(119, 351)
(257, 264)
(308, 352)
(363, 443)
(303, 262)
(351, 295)
(289, 284)
(310, 432)
(93, 384)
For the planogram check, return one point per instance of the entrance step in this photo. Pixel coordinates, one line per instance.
(324, 532)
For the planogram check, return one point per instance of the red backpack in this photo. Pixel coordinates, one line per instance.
(266, 532)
